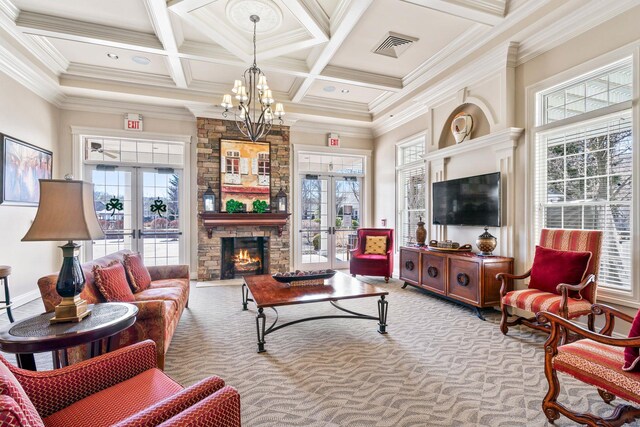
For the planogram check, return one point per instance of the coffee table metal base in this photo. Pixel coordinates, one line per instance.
(261, 318)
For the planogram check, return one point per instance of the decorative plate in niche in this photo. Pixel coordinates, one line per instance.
(239, 11)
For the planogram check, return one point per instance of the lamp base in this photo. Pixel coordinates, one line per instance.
(71, 309)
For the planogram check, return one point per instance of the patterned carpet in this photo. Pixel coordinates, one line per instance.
(439, 365)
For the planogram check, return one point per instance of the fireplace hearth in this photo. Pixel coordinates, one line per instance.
(244, 256)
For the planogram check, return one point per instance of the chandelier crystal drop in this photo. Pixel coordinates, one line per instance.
(256, 108)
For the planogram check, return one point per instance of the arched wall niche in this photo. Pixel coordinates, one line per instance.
(481, 125)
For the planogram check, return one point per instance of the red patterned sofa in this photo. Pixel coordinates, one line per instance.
(121, 388)
(159, 307)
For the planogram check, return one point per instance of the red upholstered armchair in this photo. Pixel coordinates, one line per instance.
(369, 264)
(569, 300)
(121, 388)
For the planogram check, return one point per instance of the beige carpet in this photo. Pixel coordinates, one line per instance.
(439, 365)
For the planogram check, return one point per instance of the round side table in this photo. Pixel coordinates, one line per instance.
(36, 335)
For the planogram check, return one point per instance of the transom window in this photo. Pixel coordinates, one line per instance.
(132, 151)
(584, 168)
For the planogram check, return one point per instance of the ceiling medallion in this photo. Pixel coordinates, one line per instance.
(254, 115)
(269, 13)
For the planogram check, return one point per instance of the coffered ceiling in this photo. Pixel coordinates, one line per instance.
(317, 54)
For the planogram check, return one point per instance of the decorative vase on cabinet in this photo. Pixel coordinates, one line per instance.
(421, 233)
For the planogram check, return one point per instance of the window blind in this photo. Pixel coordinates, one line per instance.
(584, 181)
(413, 207)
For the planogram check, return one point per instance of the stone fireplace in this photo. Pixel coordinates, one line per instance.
(244, 256)
(211, 239)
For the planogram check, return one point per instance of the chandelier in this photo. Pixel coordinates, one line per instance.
(254, 115)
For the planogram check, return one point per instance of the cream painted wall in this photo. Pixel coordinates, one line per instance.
(69, 118)
(27, 117)
(320, 139)
(384, 164)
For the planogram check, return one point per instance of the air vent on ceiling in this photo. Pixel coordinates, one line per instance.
(394, 44)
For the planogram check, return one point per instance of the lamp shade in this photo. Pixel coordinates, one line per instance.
(65, 212)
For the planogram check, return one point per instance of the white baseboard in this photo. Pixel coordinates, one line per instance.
(25, 298)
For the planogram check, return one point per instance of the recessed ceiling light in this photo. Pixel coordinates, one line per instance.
(329, 88)
(112, 55)
(345, 91)
(142, 60)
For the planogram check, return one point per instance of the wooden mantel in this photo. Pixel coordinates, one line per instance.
(211, 220)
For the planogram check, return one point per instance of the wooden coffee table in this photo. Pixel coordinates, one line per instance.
(268, 293)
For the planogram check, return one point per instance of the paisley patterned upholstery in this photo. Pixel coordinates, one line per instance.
(159, 307)
(123, 387)
(599, 365)
(535, 301)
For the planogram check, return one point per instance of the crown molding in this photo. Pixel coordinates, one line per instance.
(563, 26)
(71, 29)
(382, 126)
(8, 9)
(20, 68)
(335, 104)
(46, 52)
(361, 78)
(507, 138)
(486, 12)
(75, 103)
(92, 72)
(317, 13)
(324, 128)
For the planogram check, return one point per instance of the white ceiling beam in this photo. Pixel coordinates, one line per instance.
(342, 29)
(488, 12)
(209, 25)
(85, 32)
(316, 22)
(159, 16)
(186, 6)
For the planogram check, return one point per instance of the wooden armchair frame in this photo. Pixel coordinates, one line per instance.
(558, 327)
(563, 289)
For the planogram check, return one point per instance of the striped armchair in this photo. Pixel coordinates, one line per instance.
(570, 301)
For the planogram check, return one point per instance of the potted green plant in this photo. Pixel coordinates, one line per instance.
(259, 206)
(233, 206)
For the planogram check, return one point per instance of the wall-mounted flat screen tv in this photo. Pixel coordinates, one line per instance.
(474, 200)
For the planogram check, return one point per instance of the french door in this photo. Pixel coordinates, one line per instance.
(329, 217)
(138, 209)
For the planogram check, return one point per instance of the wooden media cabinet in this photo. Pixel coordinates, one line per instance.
(464, 277)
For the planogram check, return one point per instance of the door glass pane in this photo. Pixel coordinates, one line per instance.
(113, 202)
(314, 235)
(160, 218)
(347, 215)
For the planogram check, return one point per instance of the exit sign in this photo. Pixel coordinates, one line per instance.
(133, 121)
(334, 140)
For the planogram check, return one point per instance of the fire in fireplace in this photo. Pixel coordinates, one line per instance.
(243, 262)
(244, 256)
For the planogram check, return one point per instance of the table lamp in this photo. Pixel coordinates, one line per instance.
(66, 212)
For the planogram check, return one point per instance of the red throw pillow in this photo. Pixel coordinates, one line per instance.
(112, 283)
(137, 273)
(552, 267)
(632, 354)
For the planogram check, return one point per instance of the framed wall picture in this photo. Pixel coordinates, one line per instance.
(245, 172)
(22, 166)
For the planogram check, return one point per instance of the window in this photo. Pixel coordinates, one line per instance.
(584, 168)
(132, 151)
(232, 162)
(411, 189)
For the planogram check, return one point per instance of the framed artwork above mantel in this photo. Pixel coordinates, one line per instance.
(22, 166)
(245, 172)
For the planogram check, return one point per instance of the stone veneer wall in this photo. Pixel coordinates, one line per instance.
(210, 132)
